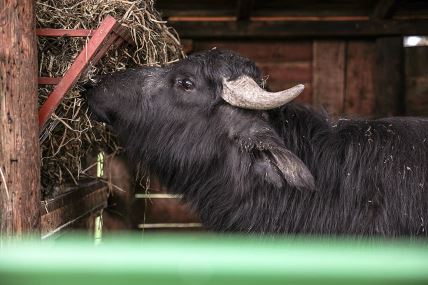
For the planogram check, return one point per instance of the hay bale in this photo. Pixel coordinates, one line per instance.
(72, 137)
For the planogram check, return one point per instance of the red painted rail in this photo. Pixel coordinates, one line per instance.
(108, 34)
(49, 80)
(47, 32)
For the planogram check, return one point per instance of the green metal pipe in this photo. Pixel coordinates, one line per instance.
(170, 259)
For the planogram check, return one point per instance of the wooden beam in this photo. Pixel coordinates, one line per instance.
(294, 29)
(384, 9)
(243, 9)
(19, 143)
(66, 209)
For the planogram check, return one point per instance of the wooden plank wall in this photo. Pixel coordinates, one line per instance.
(338, 74)
(286, 63)
(344, 77)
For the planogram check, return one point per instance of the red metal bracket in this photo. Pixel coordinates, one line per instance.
(109, 33)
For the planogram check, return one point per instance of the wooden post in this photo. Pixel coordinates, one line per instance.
(19, 147)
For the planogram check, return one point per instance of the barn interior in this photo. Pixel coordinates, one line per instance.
(356, 58)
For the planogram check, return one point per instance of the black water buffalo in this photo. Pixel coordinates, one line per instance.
(249, 162)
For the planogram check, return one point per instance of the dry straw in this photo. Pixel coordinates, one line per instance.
(72, 138)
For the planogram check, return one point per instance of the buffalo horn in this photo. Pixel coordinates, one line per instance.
(245, 93)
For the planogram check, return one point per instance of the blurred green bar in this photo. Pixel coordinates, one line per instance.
(219, 259)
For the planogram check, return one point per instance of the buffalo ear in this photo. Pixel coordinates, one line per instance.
(290, 168)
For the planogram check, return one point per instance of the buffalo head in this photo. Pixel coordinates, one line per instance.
(201, 122)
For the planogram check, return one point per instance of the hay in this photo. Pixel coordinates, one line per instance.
(72, 138)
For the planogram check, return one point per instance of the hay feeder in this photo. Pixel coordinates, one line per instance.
(89, 196)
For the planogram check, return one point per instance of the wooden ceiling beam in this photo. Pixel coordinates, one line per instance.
(293, 29)
(243, 9)
(384, 9)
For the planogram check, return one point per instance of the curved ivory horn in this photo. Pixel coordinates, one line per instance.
(245, 93)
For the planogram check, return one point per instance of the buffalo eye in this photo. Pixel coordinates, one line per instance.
(186, 84)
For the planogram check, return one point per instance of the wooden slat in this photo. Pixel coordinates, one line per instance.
(293, 29)
(62, 211)
(162, 210)
(48, 32)
(360, 68)
(49, 80)
(76, 69)
(389, 88)
(329, 75)
(170, 226)
(70, 193)
(124, 33)
(157, 196)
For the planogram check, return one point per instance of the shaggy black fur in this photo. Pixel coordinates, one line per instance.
(288, 170)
